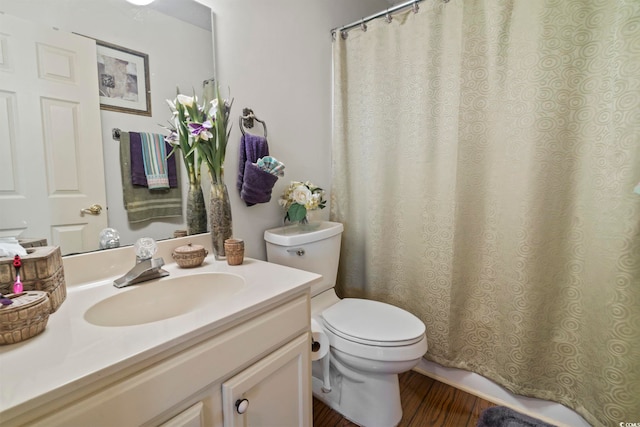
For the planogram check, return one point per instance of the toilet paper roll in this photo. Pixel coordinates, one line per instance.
(318, 335)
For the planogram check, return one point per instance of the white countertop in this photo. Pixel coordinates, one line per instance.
(72, 352)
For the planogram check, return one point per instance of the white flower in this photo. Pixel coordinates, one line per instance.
(299, 198)
(301, 195)
(185, 100)
(214, 108)
(314, 201)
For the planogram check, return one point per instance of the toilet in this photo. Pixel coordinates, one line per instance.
(370, 342)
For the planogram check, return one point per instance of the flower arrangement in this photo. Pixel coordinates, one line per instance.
(300, 197)
(201, 132)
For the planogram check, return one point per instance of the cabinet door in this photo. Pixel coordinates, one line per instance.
(190, 417)
(276, 391)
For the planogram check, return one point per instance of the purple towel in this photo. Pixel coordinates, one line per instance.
(257, 185)
(252, 148)
(138, 177)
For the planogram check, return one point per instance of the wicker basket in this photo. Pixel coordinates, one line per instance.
(41, 271)
(32, 243)
(25, 318)
(189, 256)
(234, 251)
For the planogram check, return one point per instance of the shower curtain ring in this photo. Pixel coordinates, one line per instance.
(363, 26)
(415, 6)
(344, 34)
(388, 17)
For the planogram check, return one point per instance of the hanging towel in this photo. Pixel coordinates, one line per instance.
(271, 165)
(141, 203)
(138, 176)
(252, 147)
(257, 184)
(154, 157)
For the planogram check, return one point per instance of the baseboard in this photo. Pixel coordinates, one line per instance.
(472, 383)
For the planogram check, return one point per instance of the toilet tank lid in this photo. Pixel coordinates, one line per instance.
(295, 234)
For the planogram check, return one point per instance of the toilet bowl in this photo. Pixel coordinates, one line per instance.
(370, 342)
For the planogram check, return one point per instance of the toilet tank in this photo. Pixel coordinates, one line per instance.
(311, 247)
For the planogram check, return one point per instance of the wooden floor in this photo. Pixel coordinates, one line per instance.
(425, 403)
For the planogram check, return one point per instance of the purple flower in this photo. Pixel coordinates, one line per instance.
(172, 138)
(201, 130)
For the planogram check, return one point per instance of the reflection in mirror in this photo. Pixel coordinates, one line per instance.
(176, 35)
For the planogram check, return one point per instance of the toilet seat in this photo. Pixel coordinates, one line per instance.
(373, 323)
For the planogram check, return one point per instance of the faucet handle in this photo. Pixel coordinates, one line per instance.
(145, 248)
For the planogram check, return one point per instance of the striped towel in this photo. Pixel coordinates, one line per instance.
(154, 156)
(140, 203)
(138, 177)
(271, 165)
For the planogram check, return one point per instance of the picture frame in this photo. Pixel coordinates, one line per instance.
(123, 79)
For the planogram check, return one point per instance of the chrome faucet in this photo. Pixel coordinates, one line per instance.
(146, 268)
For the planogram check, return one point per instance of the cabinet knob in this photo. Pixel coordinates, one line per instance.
(242, 405)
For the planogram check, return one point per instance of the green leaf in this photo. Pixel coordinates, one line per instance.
(296, 212)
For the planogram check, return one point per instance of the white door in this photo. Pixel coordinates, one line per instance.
(51, 163)
(275, 391)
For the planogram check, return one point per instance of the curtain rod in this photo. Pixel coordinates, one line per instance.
(387, 12)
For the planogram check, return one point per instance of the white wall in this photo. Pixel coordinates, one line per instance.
(276, 58)
(180, 55)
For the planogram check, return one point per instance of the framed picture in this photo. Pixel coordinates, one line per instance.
(123, 79)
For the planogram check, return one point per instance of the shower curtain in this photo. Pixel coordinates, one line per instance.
(485, 154)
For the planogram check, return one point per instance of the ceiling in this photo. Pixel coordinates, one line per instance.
(186, 10)
(196, 13)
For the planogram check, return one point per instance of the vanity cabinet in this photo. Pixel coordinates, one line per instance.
(262, 359)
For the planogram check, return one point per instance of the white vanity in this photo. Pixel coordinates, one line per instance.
(239, 357)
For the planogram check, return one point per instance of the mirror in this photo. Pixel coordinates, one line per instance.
(177, 37)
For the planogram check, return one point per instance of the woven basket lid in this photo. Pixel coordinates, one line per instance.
(29, 299)
(189, 250)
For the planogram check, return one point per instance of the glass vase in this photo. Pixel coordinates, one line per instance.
(313, 217)
(311, 222)
(196, 210)
(220, 219)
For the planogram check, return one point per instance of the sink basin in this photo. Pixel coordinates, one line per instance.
(163, 299)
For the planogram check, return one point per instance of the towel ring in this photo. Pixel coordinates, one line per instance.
(247, 118)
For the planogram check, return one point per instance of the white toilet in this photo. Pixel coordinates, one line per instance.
(370, 342)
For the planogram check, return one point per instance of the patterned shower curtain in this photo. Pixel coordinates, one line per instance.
(485, 155)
